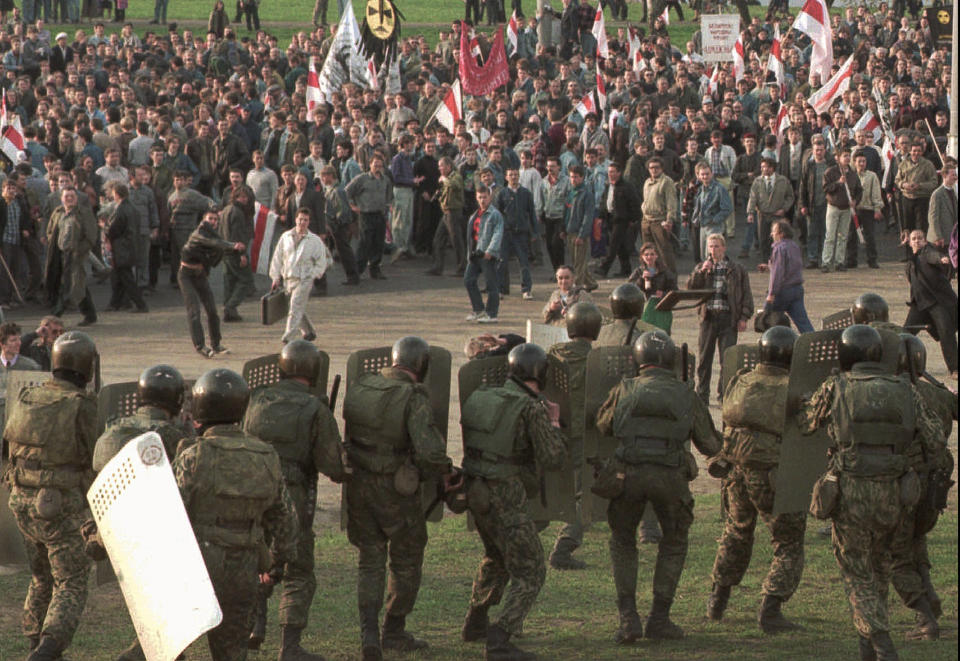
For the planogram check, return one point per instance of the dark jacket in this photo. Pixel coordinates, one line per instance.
(516, 208)
(739, 297)
(229, 152)
(929, 285)
(664, 280)
(312, 200)
(59, 59)
(807, 183)
(204, 247)
(26, 222)
(626, 204)
(837, 192)
(121, 231)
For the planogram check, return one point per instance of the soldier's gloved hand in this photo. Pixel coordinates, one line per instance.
(452, 480)
(719, 467)
(92, 543)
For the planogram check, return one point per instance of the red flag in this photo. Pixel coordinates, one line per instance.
(480, 80)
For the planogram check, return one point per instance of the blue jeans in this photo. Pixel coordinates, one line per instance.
(515, 244)
(73, 11)
(160, 10)
(489, 269)
(816, 229)
(790, 300)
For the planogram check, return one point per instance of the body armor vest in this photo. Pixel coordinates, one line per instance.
(283, 417)
(490, 418)
(122, 430)
(375, 413)
(754, 411)
(653, 421)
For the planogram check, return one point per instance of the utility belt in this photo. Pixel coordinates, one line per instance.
(32, 473)
(480, 455)
(876, 449)
(243, 534)
(377, 448)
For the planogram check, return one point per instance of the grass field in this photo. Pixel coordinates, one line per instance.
(575, 616)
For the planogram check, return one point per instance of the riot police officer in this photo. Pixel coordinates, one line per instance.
(874, 418)
(392, 444)
(872, 309)
(652, 416)
(233, 490)
(754, 410)
(51, 430)
(301, 428)
(509, 433)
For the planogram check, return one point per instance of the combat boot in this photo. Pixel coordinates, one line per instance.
(867, 653)
(133, 653)
(475, 624)
(883, 646)
(772, 620)
(48, 649)
(290, 649)
(936, 604)
(258, 629)
(395, 637)
(499, 647)
(370, 635)
(717, 602)
(926, 627)
(562, 556)
(659, 626)
(650, 530)
(631, 628)
(34, 641)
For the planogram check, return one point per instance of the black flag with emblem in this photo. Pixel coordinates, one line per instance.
(380, 31)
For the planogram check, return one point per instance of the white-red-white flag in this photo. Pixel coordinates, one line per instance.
(814, 20)
(513, 31)
(474, 43)
(314, 95)
(783, 123)
(837, 85)
(636, 54)
(450, 111)
(665, 16)
(264, 226)
(714, 80)
(775, 62)
(888, 154)
(599, 31)
(868, 122)
(372, 75)
(738, 58)
(595, 100)
(11, 133)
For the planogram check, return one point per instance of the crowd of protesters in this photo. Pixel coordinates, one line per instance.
(175, 123)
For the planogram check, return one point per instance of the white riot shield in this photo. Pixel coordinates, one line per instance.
(145, 529)
(546, 335)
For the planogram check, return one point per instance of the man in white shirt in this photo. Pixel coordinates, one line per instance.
(263, 181)
(299, 259)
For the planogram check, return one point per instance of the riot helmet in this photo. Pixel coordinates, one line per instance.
(627, 301)
(76, 352)
(656, 349)
(776, 346)
(911, 349)
(584, 320)
(220, 396)
(870, 307)
(528, 362)
(300, 358)
(859, 343)
(161, 386)
(412, 353)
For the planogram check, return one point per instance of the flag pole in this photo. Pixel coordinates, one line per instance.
(934, 138)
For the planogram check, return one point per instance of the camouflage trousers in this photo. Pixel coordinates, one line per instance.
(666, 489)
(383, 524)
(864, 527)
(909, 558)
(58, 587)
(747, 494)
(299, 581)
(234, 575)
(512, 553)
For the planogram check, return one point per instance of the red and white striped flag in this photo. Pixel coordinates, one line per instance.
(738, 58)
(513, 31)
(474, 43)
(775, 63)
(599, 31)
(636, 54)
(837, 85)
(372, 75)
(665, 16)
(869, 123)
(450, 111)
(314, 95)
(11, 133)
(814, 20)
(264, 225)
(714, 80)
(595, 100)
(783, 123)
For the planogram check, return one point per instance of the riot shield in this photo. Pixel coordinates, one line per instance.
(815, 356)
(606, 367)
(437, 383)
(557, 501)
(736, 358)
(690, 363)
(265, 371)
(837, 320)
(116, 400)
(145, 529)
(546, 335)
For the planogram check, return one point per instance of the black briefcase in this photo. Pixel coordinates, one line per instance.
(274, 307)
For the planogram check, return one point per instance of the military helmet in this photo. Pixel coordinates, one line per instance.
(776, 346)
(655, 348)
(413, 353)
(74, 351)
(627, 301)
(870, 307)
(584, 320)
(911, 348)
(300, 358)
(220, 396)
(860, 343)
(161, 385)
(528, 362)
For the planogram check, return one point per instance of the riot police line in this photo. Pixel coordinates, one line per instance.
(637, 413)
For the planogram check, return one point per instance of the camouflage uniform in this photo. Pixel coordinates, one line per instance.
(378, 516)
(911, 562)
(232, 487)
(303, 431)
(51, 430)
(869, 508)
(753, 414)
(122, 430)
(574, 354)
(658, 475)
(512, 548)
